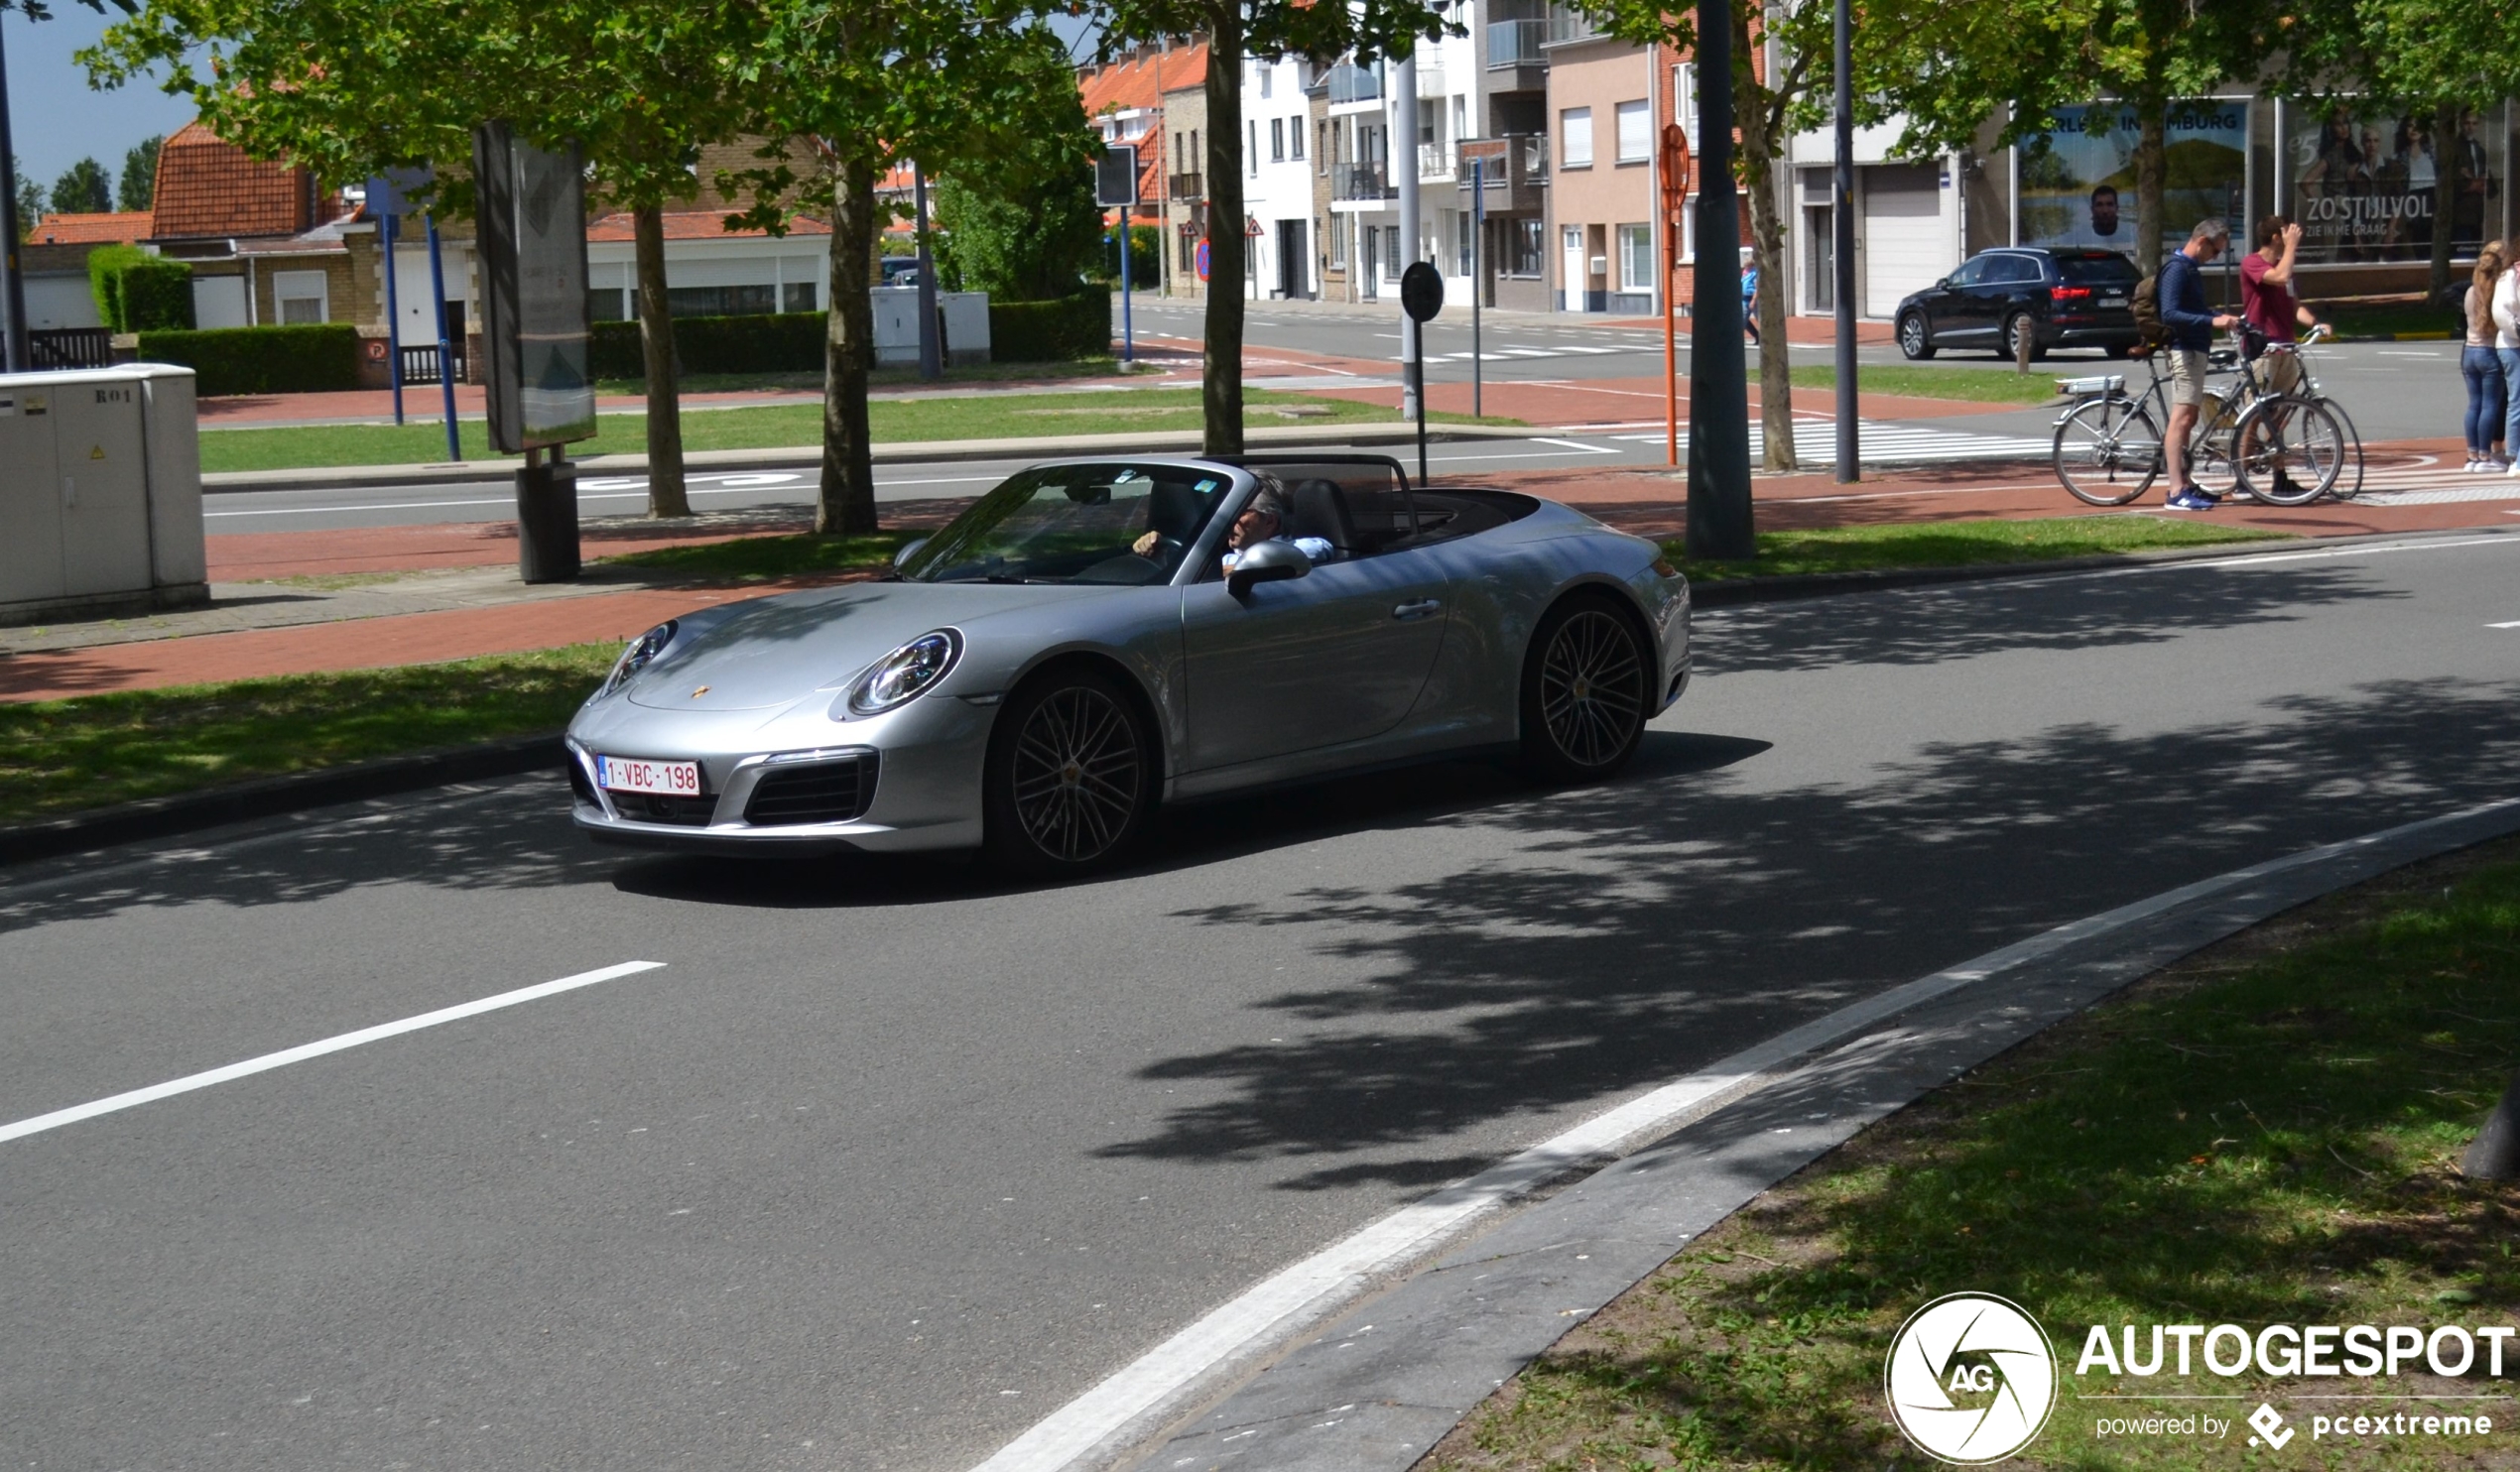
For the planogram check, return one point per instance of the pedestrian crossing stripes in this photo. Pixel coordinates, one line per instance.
(1891, 445)
(2382, 488)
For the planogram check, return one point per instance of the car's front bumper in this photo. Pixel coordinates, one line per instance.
(926, 764)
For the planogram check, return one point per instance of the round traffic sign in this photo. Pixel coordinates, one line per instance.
(1420, 291)
(1202, 259)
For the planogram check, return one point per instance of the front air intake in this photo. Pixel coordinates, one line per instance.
(831, 792)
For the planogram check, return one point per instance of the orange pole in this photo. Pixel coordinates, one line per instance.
(1671, 359)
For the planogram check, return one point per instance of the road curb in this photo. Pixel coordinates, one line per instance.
(1372, 1378)
(920, 453)
(164, 818)
(1735, 591)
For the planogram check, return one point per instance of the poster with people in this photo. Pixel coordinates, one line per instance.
(2369, 187)
(2078, 180)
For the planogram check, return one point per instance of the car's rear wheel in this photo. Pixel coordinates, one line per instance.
(2019, 327)
(1587, 687)
(1071, 776)
(1912, 338)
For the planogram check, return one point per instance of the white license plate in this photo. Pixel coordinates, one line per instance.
(2112, 301)
(666, 778)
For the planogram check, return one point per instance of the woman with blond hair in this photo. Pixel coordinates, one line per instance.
(2488, 387)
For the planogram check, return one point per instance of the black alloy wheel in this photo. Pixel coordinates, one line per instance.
(1071, 776)
(1587, 688)
(1913, 340)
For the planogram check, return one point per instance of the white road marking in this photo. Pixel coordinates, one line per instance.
(732, 486)
(304, 1052)
(1592, 449)
(1315, 1287)
(2514, 624)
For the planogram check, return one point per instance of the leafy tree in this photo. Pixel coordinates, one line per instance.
(351, 87)
(1019, 222)
(2456, 62)
(870, 84)
(1270, 29)
(140, 176)
(84, 189)
(30, 200)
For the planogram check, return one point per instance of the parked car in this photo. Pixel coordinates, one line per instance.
(2063, 297)
(1069, 652)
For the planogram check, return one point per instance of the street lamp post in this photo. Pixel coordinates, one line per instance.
(13, 343)
(1841, 250)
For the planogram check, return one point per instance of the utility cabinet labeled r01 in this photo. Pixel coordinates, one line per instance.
(100, 488)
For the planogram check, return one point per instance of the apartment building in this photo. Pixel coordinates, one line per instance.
(1278, 180)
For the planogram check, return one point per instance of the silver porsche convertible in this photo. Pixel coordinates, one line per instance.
(1097, 636)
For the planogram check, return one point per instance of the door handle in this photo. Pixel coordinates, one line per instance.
(1419, 609)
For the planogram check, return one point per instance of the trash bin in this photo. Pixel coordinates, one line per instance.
(100, 489)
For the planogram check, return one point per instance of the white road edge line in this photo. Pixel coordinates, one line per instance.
(1593, 449)
(304, 1052)
(1276, 1307)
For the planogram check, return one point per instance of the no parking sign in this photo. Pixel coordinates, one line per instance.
(1200, 258)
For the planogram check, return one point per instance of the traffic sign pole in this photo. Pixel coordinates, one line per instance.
(1675, 180)
(1420, 297)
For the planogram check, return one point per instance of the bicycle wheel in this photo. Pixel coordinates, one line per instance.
(2213, 447)
(2291, 451)
(2107, 452)
(2349, 481)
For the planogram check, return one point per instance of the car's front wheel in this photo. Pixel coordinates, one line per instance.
(1070, 777)
(1587, 687)
(1913, 339)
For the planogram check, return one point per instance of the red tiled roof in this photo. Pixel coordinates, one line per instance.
(91, 229)
(693, 224)
(207, 187)
(1142, 81)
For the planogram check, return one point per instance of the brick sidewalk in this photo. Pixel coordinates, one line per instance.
(2409, 493)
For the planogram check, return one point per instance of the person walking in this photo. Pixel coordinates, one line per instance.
(2506, 315)
(2191, 326)
(2481, 366)
(1750, 295)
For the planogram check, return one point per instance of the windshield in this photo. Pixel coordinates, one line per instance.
(1125, 524)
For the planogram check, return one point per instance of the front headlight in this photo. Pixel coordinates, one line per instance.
(904, 675)
(641, 652)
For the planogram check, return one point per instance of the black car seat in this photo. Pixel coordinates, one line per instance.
(1317, 509)
(1176, 508)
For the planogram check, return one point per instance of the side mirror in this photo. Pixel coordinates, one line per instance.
(1270, 562)
(908, 550)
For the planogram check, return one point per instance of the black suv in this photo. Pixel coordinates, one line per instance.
(2063, 297)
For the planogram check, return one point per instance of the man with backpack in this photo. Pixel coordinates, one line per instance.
(2190, 325)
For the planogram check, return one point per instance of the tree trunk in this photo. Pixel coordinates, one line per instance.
(2149, 225)
(1221, 365)
(1760, 140)
(847, 503)
(2445, 186)
(665, 493)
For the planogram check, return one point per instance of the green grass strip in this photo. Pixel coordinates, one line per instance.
(780, 426)
(1960, 545)
(2248, 1142)
(1975, 385)
(58, 756)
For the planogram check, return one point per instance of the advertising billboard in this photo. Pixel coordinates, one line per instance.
(2368, 185)
(2078, 180)
(535, 331)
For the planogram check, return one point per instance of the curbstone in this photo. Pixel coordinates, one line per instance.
(271, 797)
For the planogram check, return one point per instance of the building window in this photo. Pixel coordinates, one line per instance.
(1177, 155)
(1277, 139)
(1294, 135)
(1575, 134)
(1527, 247)
(1461, 240)
(1685, 97)
(608, 304)
(1337, 237)
(1636, 258)
(1393, 262)
(742, 301)
(301, 296)
(1636, 131)
(799, 294)
(1322, 149)
(1266, 71)
(1251, 154)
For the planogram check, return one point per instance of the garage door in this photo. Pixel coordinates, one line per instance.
(1907, 246)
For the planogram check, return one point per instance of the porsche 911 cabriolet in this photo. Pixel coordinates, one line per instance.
(1095, 638)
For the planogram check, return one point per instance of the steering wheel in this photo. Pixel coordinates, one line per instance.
(1167, 551)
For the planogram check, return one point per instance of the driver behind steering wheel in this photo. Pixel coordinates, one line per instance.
(1262, 519)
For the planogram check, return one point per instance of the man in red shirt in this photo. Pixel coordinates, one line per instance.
(2266, 294)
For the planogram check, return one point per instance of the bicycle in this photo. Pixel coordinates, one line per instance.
(2107, 447)
(2297, 440)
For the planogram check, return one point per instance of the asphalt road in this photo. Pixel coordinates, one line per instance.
(888, 1161)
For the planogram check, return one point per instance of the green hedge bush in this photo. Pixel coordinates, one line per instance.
(778, 342)
(307, 359)
(137, 291)
(1057, 331)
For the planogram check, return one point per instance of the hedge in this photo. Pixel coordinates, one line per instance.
(307, 359)
(1051, 331)
(137, 291)
(792, 341)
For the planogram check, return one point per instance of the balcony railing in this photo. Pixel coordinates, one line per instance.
(1513, 169)
(1571, 25)
(1350, 82)
(1434, 161)
(1188, 186)
(1361, 181)
(1515, 43)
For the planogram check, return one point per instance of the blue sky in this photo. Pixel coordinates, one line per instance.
(56, 117)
